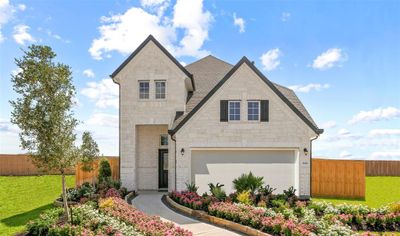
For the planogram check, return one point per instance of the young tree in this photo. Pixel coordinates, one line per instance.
(43, 111)
(89, 152)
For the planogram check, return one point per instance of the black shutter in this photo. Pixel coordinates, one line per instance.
(224, 110)
(264, 111)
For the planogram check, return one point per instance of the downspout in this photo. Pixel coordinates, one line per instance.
(174, 139)
(311, 162)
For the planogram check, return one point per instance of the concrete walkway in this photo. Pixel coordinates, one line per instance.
(150, 203)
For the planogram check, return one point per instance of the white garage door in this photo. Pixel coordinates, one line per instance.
(279, 168)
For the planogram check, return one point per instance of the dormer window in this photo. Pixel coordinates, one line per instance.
(144, 89)
(160, 89)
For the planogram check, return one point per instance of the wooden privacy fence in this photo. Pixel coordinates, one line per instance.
(82, 176)
(21, 165)
(382, 168)
(338, 178)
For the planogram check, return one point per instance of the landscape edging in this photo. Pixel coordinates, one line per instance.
(214, 220)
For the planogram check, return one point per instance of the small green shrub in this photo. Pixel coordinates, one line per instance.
(244, 197)
(192, 187)
(41, 225)
(217, 191)
(104, 171)
(290, 192)
(266, 190)
(248, 182)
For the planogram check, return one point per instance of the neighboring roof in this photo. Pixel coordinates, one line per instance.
(141, 46)
(210, 73)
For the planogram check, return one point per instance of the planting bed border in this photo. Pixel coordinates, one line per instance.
(204, 216)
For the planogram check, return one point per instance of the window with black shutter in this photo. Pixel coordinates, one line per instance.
(264, 111)
(224, 110)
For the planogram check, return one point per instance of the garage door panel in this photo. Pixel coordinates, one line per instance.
(277, 167)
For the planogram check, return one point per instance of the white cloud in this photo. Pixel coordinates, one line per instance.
(307, 88)
(54, 35)
(21, 7)
(103, 119)
(183, 63)
(238, 21)
(158, 6)
(270, 59)
(383, 132)
(328, 125)
(345, 154)
(104, 93)
(190, 16)
(7, 127)
(285, 16)
(343, 132)
(6, 12)
(387, 155)
(88, 73)
(328, 59)
(378, 114)
(124, 32)
(21, 34)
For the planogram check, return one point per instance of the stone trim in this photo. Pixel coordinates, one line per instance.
(204, 216)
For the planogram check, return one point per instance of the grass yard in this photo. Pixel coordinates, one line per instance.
(22, 198)
(380, 191)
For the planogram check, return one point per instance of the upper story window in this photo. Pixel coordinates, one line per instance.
(234, 110)
(164, 140)
(253, 110)
(144, 89)
(160, 89)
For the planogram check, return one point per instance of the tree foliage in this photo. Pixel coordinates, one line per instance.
(89, 151)
(43, 111)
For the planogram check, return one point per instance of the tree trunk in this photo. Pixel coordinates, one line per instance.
(64, 193)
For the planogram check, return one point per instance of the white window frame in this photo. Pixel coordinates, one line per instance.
(148, 91)
(229, 110)
(155, 89)
(259, 110)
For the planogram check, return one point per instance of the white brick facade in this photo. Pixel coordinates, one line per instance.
(284, 129)
(143, 121)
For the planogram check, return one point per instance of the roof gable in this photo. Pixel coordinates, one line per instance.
(183, 119)
(165, 51)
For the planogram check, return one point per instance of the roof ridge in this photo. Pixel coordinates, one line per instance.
(209, 55)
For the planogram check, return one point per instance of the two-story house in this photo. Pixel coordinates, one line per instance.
(208, 122)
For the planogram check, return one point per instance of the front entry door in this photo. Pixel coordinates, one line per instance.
(163, 168)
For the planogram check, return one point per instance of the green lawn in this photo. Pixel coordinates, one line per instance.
(22, 198)
(379, 192)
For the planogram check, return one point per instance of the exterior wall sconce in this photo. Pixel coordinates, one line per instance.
(182, 151)
(305, 151)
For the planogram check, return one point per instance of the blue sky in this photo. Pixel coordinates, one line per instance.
(341, 57)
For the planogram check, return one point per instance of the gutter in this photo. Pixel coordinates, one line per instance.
(311, 162)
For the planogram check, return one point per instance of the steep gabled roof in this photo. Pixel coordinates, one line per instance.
(209, 68)
(165, 51)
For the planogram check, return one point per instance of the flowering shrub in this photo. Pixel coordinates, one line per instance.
(145, 224)
(359, 217)
(100, 223)
(188, 199)
(259, 218)
(112, 192)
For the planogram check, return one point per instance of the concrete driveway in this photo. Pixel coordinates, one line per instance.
(150, 203)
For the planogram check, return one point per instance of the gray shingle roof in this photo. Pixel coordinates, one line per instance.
(209, 71)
